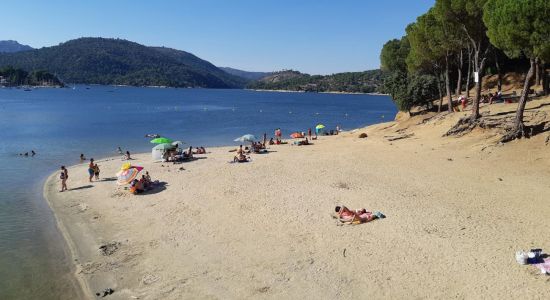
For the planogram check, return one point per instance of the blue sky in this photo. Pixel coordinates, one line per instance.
(312, 36)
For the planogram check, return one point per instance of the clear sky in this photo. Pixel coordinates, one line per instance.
(312, 36)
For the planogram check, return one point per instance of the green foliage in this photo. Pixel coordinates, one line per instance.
(426, 43)
(519, 27)
(422, 89)
(394, 54)
(396, 84)
(115, 61)
(408, 91)
(351, 82)
(16, 77)
(467, 13)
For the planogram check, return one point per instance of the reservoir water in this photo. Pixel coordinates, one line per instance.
(59, 124)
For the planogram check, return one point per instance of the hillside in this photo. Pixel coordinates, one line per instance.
(246, 74)
(116, 61)
(17, 77)
(350, 82)
(10, 46)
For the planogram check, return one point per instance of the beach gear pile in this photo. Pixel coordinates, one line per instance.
(536, 258)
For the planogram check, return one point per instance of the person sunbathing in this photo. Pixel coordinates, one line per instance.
(188, 153)
(240, 158)
(346, 215)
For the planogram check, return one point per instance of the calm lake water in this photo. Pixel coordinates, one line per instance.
(59, 124)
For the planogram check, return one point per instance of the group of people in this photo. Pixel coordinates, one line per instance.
(27, 153)
(174, 155)
(93, 170)
(125, 156)
(143, 184)
(490, 98)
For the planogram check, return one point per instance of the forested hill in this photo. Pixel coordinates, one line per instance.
(246, 74)
(10, 46)
(116, 61)
(350, 82)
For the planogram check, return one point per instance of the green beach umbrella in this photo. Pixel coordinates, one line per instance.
(319, 126)
(161, 140)
(164, 146)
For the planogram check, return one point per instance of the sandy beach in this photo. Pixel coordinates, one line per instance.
(457, 211)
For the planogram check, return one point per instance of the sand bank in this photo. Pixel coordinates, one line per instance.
(457, 210)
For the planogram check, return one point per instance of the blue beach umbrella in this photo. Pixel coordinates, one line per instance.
(246, 138)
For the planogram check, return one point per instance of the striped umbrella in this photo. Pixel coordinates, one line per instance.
(126, 176)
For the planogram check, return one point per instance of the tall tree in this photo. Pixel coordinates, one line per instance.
(434, 40)
(520, 27)
(393, 55)
(468, 14)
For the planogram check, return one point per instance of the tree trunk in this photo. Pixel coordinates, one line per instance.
(479, 66)
(545, 80)
(517, 131)
(469, 72)
(499, 74)
(537, 72)
(459, 80)
(440, 93)
(448, 84)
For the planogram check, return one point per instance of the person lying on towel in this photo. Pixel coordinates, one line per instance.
(345, 215)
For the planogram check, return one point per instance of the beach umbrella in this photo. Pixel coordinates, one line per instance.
(246, 138)
(161, 140)
(319, 128)
(126, 176)
(164, 146)
(297, 135)
(126, 166)
(177, 143)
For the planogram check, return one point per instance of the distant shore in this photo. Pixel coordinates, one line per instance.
(263, 229)
(325, 92)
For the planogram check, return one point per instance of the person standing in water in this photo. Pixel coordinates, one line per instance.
(91, 169)
(63, 176)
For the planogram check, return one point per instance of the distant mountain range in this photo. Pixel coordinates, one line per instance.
(350, 82)
(10, 46)
(122, 62)
(117, 61)
(246, 74)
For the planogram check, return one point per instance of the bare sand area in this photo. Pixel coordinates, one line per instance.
(457, 211)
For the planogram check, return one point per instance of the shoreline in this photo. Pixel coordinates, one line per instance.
(263, 229)
(325, 92)
(83, 290)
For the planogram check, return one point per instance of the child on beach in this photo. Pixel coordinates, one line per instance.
(63, 176)
(96, 171)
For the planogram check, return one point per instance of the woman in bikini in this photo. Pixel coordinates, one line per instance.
(63, 176)
(91, 169)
